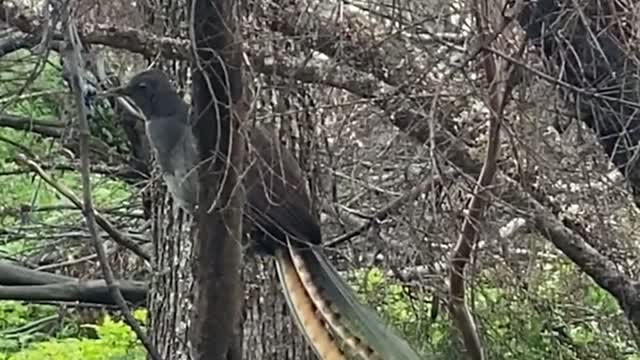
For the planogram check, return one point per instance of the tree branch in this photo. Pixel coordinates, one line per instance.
(73, 57)
(396, 103)
(11, 274)
(20, 283)
(499, 91)
(116, 235)
(89, 291)
(391, 207)
(49, 128)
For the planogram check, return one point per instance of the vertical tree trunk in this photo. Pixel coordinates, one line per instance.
(270, 332)
(218, 117)
(170, 302)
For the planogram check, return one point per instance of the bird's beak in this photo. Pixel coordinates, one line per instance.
(120, 91)
(129, 105)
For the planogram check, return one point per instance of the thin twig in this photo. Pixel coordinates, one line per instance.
(73, 56)
(497, 74)
(115, 234)
(388, 209)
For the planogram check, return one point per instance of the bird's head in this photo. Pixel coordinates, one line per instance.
(152, 92)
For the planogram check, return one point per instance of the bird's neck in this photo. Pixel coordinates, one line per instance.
(170, 105)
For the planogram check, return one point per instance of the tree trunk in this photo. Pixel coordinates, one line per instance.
(172, 281)
(218, 119)
(170, 299)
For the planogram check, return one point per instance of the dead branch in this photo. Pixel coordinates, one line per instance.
(388, 57)
(90, 291)
(603, 271)
(20, 283)
(400, 106)
(118, 171)
(49, 128)
(497, 73)
(11, 274)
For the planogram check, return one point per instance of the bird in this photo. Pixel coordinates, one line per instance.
(278, 222)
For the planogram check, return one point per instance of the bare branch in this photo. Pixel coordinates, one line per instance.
(392, 100)
(497, 74)
(20, 283)
(49, 128)
(11, 274)
(91, 291)
(393, 206)
(116, 235)
(73, 58)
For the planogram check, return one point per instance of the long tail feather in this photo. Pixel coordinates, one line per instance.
(362, 323)
(329, 313)
(304, 310)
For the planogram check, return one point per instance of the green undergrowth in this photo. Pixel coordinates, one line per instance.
(109, 340)
(564, 316)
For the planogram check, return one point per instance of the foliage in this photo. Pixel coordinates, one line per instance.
(514, 324)
(22, 191)
(15, 315)
(114, 340)
(45, 79)
(36, 331)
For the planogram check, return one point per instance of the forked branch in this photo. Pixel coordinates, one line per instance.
(497, 74)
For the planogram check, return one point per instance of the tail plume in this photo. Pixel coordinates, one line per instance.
(328, 313)
(304, 310)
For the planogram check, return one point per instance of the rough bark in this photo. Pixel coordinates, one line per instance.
(218, 117)
(170, 299)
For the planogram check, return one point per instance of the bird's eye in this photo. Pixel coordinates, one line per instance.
(142, 85)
